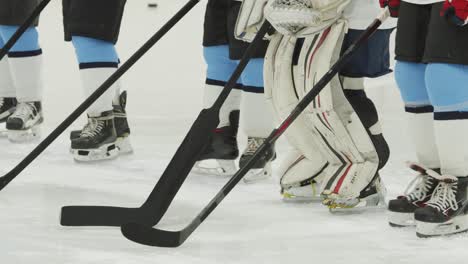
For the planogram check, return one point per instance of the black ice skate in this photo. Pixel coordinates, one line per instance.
(121, 126)
(373, 197)
(7, 108)
(219, 157)
(401, 210)
(262, 168)
(97, 140)
(25, 123)
(446, 213)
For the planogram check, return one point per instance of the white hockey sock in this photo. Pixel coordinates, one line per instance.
(7, 87)
(256, 115)
(232, 102)
(27, 76)
(452, 142)
(92, 78)
(421, 130)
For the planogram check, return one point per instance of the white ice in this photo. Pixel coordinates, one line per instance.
(252, 225)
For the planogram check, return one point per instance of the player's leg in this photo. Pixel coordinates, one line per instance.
(220, 155)
(7, 90)
(25, 63)
(446, 212)
(410, 77)
(94, 36)
(256, 115)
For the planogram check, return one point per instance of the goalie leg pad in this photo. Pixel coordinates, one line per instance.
(14, 12)
(93, 19)
(329, 130)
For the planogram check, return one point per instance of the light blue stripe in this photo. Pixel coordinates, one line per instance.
(253, 74)
(219, 66)
(90, 50)
(410, 78)
(29, 41)
(447, 85)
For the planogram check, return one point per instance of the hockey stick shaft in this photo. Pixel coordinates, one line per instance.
(175, 173)
(156, 237)
(5, 180)
(20, 31)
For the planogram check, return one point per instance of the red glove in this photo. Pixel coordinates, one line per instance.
(393, 6)
(455, 11)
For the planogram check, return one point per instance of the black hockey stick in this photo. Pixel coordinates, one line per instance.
(12, 174)
(145, 234)
(176, 172)
(20, 31)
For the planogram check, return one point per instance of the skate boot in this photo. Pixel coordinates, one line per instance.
(262, 168)
(401, 210)
(97, 140)
(25, 123)
(7, 108)
(220, 155)
(373, 197)
(446, 213)
(121, 126)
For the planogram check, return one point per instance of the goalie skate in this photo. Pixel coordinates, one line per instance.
(372, 198)
(25, 123)
(97, 140)
(262, 169)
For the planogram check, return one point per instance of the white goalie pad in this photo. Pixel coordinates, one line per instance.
(328, 131)
(302, 18)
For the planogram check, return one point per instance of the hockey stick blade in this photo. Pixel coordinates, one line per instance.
(156, 237)
(165, 190)
(44, 144)
(179, 167)
(145, 235)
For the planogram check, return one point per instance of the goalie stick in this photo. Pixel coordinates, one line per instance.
(147, 235)
(12, 174)
(156, 205)
(20, 31)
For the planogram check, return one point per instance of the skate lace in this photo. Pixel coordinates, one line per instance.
(445, 195)
(253, 144)
(419, 188)
(23, 110)
(93, 127)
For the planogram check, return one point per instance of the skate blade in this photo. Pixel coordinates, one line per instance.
(396, 219)
(355, 205)
(124, 145)
(256, 175)
(455, 226)
(24, 136)
(223, 168)
(105, 152)
(303, 194)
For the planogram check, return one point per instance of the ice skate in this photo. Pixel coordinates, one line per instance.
(262, 168)
(306, 193)
(7, 108)
(401, 210)
(121, 126)
(372, 198)
(220, 156)
(446, 213)
(97, 140)
(25, 123)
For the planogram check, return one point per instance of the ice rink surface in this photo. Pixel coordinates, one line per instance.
(253, 224)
